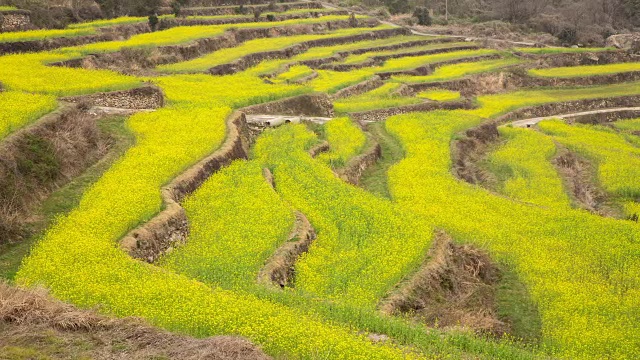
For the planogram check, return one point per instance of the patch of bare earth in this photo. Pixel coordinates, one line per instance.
(456, 288)
(279, 270)
(35, 326)
(579, 177)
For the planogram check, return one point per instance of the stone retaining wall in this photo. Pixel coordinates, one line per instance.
(382, 114)
(380, 59)
(174, 22)
(308, 105)
(150, 58)
(605, 117)
(580, 59)
(232, 10)
(170, 228)
(353, 170)
(42, 157)
(214, 3)
(16, 20)
(106, 34)
(569, 107)
(147, 97)
(360, 88)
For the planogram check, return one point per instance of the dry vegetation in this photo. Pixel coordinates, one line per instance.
(34, 325)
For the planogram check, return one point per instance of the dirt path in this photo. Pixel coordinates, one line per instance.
(525, 123)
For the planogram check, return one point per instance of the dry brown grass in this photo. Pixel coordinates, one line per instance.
(579, 177)
(33, 323)
(455, 288)
(279, 270)
(39, 159)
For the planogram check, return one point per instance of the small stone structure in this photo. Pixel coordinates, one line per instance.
(311, 105)
(147, 97)
(624, 41)
(15, 20)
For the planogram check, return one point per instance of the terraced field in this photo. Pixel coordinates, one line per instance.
(324, 185)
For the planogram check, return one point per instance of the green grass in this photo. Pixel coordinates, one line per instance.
(65, 199)
(374, 179)
(8, 8)
(586, 70)
(514, 303)
(628, 125)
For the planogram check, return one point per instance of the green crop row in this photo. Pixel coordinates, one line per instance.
(257, 219)
(219, 249)
(228, 55)
(59, 81)
(628, 125)
(357, 59)
(327, 51)
(559, 50)
(523, 166)
(617, 160)
(360, 236)
(332, 81)
(439, 95)
(581, 269)
(78, 261)
(379, 98)
(588, 70)
(31, 35)
(18, 109)
(457, 71)
(346, 139)
(296, 72)
(408, 63)
(185, 34)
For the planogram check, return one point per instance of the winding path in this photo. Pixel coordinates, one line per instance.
(525, 123)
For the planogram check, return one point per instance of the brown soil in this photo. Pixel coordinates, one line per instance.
(353, 170)
(320, 148)
(468, 151)
(569, 107)
(359, 88)
(38, 159)
(279, 270)
(210, 11)
(579, 177)
(382, 114)
(455, 288)
(33, 325)
(314, 105)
